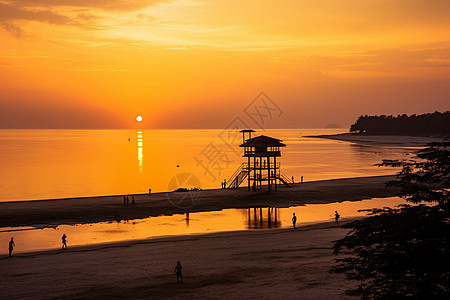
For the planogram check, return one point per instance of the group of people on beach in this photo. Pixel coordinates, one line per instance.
(126, 200)
(336, 218)
(301, 179)
(12, 244)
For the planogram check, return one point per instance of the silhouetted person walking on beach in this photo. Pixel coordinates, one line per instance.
(294, 219)
(293, 179)
(177, 271)
(11, 246)
(64, 241)
(132, 200)
(124, 200)
(301, 180)
(336, 217)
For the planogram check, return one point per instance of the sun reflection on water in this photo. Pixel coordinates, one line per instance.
(140, 144)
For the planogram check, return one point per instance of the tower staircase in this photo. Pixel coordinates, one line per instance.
(239, 176)
(285, 180)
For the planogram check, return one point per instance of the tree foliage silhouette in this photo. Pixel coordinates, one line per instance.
(404, 252)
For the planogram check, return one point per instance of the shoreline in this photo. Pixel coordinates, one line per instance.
(70, 211)
(307, 226)
(382, 140)
(82, 198)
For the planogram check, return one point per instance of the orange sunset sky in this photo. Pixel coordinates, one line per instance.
(197, 64)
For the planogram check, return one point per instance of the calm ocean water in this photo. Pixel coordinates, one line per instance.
(48, 164)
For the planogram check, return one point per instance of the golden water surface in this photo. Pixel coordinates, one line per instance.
(49, 164)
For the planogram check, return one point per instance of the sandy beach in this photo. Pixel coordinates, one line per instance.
(44, 213)
(265, 264)
(386, 140)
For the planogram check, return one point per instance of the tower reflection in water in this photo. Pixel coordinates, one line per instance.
(263, 217)
(140, 145)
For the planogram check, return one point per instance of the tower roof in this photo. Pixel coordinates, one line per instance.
(263, 141)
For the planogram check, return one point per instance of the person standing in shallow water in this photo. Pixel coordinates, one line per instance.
(177, 271)
(294, 219)
(11, 246)
(64, 241)
(336, 217)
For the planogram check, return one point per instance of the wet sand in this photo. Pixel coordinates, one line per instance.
(386, 140)
(44, 213)
(264, 264)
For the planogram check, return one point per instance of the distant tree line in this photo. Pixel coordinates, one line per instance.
(436, 123)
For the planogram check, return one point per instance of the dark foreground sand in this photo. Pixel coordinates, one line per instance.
(99, 209)
(262, 264)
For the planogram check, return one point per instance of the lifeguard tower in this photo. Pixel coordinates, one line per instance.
(261, 167)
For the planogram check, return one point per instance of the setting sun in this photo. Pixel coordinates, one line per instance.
(139, 118)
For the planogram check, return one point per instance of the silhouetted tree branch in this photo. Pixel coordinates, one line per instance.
(405, 251)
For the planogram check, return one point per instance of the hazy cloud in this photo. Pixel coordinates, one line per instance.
(62, 12)
(13, 29)
(121, 5)
(424, 62)
(87, 16)
(11, 12)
